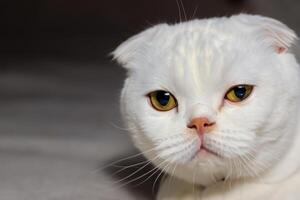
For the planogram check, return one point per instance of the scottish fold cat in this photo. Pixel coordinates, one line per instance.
(214, 104)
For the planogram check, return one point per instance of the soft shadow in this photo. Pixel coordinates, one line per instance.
(132, 176)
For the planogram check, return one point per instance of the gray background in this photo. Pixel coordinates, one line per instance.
(59, 112)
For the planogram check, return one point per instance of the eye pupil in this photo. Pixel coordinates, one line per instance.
(240, 91)
(163, 97)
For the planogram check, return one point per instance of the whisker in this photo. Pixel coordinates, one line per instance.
(130, 175)
(156, 169)
(171, 178)
(161, 173)
(194, 179)
(123, 159)
(258, 165)
(238, 166)
(137, 178)
(183, 9)
(130, 166)
(231, 169)
(185, 146)
(179, 11)
(163, 146)
(175, 136)
(119, 127)
(195, 11)
(247, 167)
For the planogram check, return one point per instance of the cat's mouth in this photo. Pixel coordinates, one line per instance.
(204, 152)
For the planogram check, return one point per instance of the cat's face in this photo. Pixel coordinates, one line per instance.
(211, 97)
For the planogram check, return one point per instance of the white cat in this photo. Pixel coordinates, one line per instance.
(214, 103)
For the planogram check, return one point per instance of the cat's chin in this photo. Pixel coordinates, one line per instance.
(203, 170)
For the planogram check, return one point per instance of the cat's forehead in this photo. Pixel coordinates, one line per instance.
(192, 36)
(199, 52)
(204, 39)
(210, 43)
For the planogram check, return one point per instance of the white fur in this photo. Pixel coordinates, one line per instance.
(257, 140)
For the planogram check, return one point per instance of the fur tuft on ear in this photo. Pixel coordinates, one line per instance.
(126, 51)
(276, 34)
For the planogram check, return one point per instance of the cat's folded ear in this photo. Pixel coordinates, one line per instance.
(129, 50)
(273, 32)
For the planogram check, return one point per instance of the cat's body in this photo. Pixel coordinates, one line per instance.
(213, 100)
(174, 189)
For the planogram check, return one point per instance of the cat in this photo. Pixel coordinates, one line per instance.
(214, 104)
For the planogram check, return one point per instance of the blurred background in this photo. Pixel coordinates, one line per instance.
(59, 91)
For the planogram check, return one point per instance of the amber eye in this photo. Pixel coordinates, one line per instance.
(238, 93)
(162, 100)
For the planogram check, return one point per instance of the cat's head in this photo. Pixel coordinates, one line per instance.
(211, 97)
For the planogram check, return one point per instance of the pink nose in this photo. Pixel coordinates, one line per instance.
(202, 125)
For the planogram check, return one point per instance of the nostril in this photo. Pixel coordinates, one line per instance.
(192, 126)
(208, 124)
